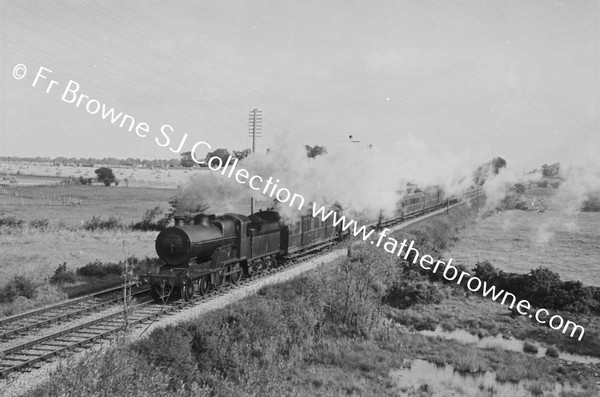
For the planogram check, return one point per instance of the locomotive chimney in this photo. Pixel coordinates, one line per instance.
(201, 219)
(178, 219)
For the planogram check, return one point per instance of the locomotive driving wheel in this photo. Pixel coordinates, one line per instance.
(187, 291)
(203, 285)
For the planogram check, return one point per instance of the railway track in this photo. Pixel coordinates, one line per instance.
(25, 323)
(33, 353)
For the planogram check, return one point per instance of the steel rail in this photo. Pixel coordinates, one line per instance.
(64, 316)
(59, 305)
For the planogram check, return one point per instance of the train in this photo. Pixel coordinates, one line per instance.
(217, 250)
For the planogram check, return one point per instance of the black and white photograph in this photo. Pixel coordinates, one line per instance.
(300, 198)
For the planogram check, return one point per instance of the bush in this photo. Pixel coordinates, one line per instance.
(11, 221)
(552, 352)
(99, 269)
(62, 275)
(97, 223)
(142, 265)
(169, 349)
(356, 288)
(149, 223)
(542, 184)
(511, 201)
(39, 223)
(25, 286)
(519, 188)
(592, 204)
(117, 372)
(485, 271)
(8, 293)
(18, 286)
(529, 348)
(407, 293)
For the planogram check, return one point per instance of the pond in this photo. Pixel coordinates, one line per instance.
(499, 340)
(424, 378)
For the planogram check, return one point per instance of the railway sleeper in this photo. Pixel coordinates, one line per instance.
(100, 327)
(148, 312)
(55, 344)
(17, 360)
(109, 323)
(68, 340)
(29, 354)
(86, 334)
(39, 349)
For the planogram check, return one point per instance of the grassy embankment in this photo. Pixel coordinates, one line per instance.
(324, 333)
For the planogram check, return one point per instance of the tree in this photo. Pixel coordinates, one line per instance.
(105, 175)
(551, 170)
(497, 163)
(185, 205)
(491, 167)
(186, 160)
(223, 154)
(314, 151)
(241, 155)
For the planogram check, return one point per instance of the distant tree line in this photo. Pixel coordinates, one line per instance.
(92, 162)
(185, 160)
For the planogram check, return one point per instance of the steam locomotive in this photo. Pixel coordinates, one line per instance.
(222, 249)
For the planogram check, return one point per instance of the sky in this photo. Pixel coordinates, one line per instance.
(476, 79)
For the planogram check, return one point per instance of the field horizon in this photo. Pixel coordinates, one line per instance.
(518, 240)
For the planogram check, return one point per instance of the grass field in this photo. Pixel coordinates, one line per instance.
(137, 177)
(36, 253)
(128, 204)
(518, 241)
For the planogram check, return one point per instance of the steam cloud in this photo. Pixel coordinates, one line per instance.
(364, 181)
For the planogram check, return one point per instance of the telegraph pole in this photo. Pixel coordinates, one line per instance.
(254, 130)
(255, 127)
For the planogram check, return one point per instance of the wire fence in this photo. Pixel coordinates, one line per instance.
(18, 197)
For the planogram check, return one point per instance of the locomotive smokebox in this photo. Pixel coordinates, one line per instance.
(176, 245)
